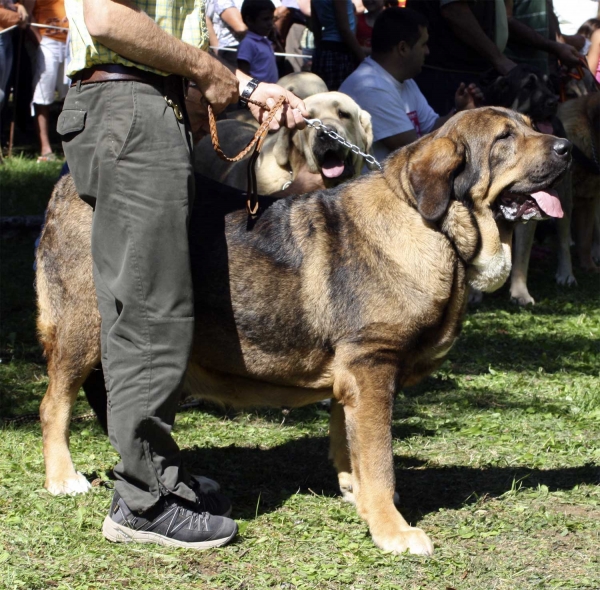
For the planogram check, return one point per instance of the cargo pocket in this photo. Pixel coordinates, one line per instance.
(70, 122)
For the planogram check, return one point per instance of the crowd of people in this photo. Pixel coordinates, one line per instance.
(46, 24)
(410, 64)
(269, 38)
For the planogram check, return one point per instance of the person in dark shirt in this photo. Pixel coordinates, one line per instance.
(466, 39)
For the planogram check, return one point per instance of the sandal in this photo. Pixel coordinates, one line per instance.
(49, 157)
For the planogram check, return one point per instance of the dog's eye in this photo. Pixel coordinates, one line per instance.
(343, 115)
(506, 135)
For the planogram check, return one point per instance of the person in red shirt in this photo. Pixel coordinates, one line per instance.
(365, 21)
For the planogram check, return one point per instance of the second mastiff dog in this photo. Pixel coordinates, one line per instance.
(285, 152)
(349, 293)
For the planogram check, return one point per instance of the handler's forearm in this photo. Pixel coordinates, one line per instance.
(126, 30)
(524, 35)
(8, 18)
(465, 26)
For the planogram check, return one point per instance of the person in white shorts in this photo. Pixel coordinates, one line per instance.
(49, 78)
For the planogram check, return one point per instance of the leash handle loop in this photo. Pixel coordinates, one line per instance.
(252, 204)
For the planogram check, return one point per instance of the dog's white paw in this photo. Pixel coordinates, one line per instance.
(414, 540)
(521, 297)
(207, 486)
(69, 486)
(566, 279)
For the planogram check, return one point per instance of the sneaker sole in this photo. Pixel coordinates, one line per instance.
(117, 533)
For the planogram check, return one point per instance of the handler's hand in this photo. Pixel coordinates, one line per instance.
(23, 15)
(567, 55)
(219, 88)
(468, 97)
(290, 115)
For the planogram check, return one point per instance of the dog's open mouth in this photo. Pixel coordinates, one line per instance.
(333, 166)
(521, 207)
(544, 127)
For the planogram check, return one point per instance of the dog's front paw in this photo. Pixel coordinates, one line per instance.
(413, 540)
(521, 297)
(566, 279)
(69, 486)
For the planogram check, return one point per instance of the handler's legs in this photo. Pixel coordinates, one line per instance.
(131, 158)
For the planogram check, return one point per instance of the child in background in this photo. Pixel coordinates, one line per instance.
(590, 29)
(255, 52)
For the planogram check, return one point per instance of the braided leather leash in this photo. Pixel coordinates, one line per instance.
(252, 204)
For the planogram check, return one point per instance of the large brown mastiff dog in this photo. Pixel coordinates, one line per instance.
(349, 293)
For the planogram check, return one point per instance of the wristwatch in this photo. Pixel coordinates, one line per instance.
(248, 90)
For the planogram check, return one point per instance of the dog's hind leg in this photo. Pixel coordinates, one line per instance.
(523, 241)
(367, 395)
(338, 451)
(55, 414)
(68, 327)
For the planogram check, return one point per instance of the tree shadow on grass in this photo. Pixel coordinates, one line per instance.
(260, 480)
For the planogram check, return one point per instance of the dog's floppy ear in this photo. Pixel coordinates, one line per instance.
(366, 129)
(366, 134)
(431, 173)
(281, 147)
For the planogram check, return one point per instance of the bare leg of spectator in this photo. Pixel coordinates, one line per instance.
(42, 116)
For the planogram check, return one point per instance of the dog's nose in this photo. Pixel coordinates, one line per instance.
(562, 147)
(552, 103)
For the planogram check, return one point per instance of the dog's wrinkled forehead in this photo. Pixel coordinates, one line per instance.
(325, 105)
(478, 128)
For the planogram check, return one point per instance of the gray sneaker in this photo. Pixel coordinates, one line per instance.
(172, 522)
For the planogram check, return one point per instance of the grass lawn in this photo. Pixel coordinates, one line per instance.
(496, 457)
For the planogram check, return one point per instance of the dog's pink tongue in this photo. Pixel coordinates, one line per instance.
(332, 166)
(544, 127)
(549, 203)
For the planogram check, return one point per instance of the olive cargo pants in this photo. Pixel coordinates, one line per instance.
(131, 159)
